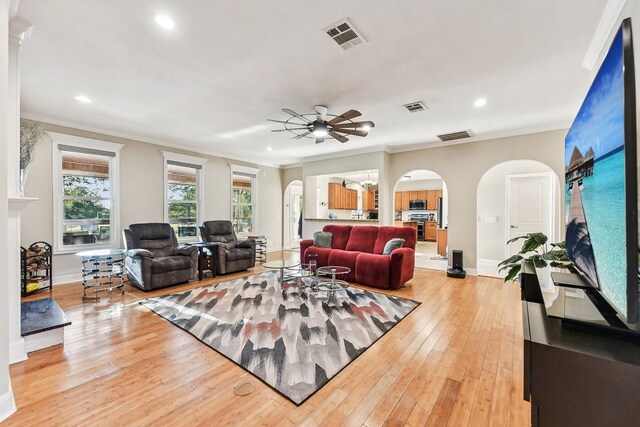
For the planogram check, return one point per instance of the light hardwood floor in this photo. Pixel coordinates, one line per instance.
(456, 360)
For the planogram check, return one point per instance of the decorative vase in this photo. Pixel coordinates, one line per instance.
(23, 181)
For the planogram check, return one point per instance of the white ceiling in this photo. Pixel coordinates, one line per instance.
(210, 84)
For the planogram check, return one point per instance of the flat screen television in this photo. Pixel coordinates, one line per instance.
(601, 182)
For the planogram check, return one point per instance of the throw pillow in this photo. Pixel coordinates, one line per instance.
(322, 239)
(391, 245)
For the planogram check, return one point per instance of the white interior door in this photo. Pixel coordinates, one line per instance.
(529, 206)
(295, 210)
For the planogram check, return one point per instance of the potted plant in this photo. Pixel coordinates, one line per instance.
(535, 251)
(30, 134)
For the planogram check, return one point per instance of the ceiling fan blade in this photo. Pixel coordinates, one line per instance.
(319, 140)
(284, 130)
(339, 137)
(351, 114)
(302, 135)
(294, 114)
(354, 125)
(286, 122)
(353, 132)
(321, 113)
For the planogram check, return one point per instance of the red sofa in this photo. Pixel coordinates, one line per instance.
(360, 248)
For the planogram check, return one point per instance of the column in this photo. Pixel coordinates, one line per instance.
(19, 30)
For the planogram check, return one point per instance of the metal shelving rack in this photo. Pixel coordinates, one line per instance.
(35, 266)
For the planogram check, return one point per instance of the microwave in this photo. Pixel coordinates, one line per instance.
(417, 205)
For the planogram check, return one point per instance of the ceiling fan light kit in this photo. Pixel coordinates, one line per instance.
(321, 125)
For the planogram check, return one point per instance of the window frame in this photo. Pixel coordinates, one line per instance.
(254, 172)
(58, 140)
(198, 164)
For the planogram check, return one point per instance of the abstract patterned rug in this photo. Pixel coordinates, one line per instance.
(293, 339)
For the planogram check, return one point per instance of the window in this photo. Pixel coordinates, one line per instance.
(243, 199)
(86, 212)
(183, 194)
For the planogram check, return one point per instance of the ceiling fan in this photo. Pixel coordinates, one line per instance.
(321, 125)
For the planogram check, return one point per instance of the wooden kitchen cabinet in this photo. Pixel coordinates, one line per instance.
(413, 195)
(405, 200)
(430, 231)
(341, 197)
(431, 199)
(369, 200)
(422, 195)
(398, 201)
(442, 236)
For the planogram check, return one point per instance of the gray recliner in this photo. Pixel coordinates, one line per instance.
(154, 259)
(229, 255)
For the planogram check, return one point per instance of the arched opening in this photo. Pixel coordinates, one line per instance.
(421, 201)
(514, 198)
(292, 215)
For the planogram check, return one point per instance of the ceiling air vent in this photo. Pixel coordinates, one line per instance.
(456, 135)
(345, 34)
(414, 107)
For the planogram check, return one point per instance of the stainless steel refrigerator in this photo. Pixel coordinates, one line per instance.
(439, 213)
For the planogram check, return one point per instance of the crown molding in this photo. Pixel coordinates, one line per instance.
(138, 138)
(606, 25)
(19, 30)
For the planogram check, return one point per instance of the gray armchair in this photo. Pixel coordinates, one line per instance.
(229, 255)
(154, 259)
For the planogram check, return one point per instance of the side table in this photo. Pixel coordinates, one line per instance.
(261, 248)
(102, 271)
(204, 262)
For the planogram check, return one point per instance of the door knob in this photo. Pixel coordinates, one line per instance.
(514, 226)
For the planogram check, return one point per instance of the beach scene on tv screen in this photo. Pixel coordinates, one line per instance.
(595, 182)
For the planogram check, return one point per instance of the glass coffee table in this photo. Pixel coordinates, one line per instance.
(281, 265)
(332, 283)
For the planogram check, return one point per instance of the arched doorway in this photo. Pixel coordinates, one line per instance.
(514, 198)
(292, 215)
(421, 201)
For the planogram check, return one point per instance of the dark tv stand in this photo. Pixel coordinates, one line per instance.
(575, 376)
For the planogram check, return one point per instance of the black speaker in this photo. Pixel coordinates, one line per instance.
(457, 271)
(457, 259)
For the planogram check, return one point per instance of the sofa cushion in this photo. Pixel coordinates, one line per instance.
(386, 233)
(391, 245)
(339, 235)
(344, 259)
(363, 239)
(171, 263)
(373, 270)
(322, 239)
(239, 253)
(322, 253)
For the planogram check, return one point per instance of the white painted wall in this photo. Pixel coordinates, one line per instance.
(491, 205)
(141, 170)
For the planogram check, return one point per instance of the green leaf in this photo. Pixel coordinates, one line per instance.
(511, 259)
(516, 239)
(561, 245)
(530, 245)
(512, 274)
(540, 238)
(538, 261)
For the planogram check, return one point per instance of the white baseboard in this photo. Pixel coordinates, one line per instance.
(489, 267)
(17, 351)
(7, 404)
(67, 278)
(44, 339)
(471, 271)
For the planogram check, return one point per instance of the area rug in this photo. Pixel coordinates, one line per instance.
(290, 337)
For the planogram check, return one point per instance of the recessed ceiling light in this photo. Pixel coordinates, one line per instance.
(269, 149)
(480, 102)
(83, 98)
(165, 22)
(406, 178)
